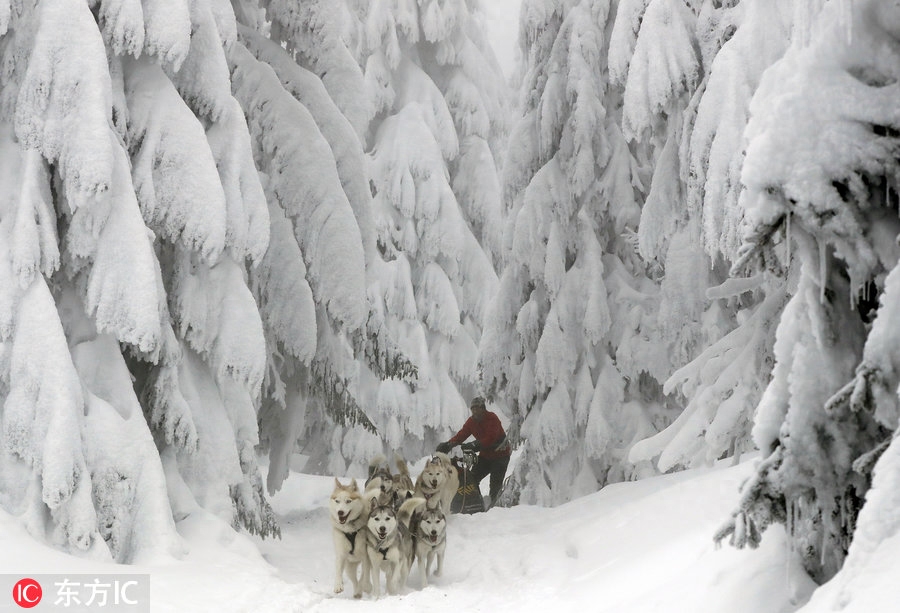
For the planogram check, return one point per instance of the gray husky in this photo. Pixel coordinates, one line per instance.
(431, 541)
(389, 544)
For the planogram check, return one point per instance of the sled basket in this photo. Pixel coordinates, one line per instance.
(468, 497)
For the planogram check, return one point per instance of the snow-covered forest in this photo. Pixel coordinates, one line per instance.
(234, 233)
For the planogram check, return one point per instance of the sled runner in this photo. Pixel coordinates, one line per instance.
(468, 497)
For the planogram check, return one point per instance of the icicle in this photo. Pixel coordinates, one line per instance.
(790, 545)
(823, 270)
(824, 541)
(847, 19)
(787, 234)
(887, 191)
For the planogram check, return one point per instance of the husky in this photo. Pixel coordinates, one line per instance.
(389, 544)
(438, 481)
(347, 510)
(430, 538)
(381, 479)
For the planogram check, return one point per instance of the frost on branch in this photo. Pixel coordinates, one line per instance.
(304, 181)
(63, 105)
(122, 24)
(311, 32)
(122, 291)
(284, 296)
(716, 143)
(174, 172)
(664, 66)
(42, 423)
(308, 89)
(202, 79)
(247, 214)
(217, 315)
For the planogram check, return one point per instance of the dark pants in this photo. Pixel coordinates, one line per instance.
(496, 468)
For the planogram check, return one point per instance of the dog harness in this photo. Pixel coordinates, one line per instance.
(386, 545)
(351, 536)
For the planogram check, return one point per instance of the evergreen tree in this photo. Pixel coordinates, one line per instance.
(719, 330)
(144, 246)
(438, 97)
(567, 342)
(317, 285)
(820, 175)
(132, 348)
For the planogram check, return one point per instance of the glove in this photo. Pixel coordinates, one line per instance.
(473, 446)
(444, 447)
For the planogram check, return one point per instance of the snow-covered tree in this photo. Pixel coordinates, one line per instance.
(187, 184)
(438, 100)
(567, 342)
(720, 331)
(303, 94)
(132, 348)
(820, 203)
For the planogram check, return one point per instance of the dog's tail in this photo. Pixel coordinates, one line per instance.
(375, 463)
(402, 466)
(408, 508)
(443, 457)
(374, 486)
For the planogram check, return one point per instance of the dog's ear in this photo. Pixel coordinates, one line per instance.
(353, 484)
(372, 504)
(337, 483)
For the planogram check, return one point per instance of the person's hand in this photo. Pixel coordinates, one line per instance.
(444, 447)
(473, 446)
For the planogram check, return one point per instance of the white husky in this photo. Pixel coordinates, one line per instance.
(438, 481)
(431, 541)
(347, 510)
(389, 544)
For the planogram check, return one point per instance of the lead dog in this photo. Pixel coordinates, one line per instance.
(431, 541)
(389, 544)
(347, 510)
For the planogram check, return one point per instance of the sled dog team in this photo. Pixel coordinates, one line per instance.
(391, 524)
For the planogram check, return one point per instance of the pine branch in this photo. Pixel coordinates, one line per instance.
(336, 398)
(382, 354)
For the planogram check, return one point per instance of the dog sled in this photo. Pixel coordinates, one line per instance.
(468, 498)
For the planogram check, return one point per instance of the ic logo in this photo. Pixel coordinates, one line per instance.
(27, 593)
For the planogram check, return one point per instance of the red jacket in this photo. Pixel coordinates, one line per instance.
(488, 432)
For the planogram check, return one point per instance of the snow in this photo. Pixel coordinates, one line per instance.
(501, 24)
(636, 546)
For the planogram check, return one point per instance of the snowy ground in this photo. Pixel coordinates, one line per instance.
(633, 547)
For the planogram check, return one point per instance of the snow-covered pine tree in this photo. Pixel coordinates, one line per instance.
(567, 342)
(438, 100)
(132, 349)
(821, 175)
(721, 336)
(318, 286)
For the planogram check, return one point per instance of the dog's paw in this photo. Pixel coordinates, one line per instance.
(338, 589)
